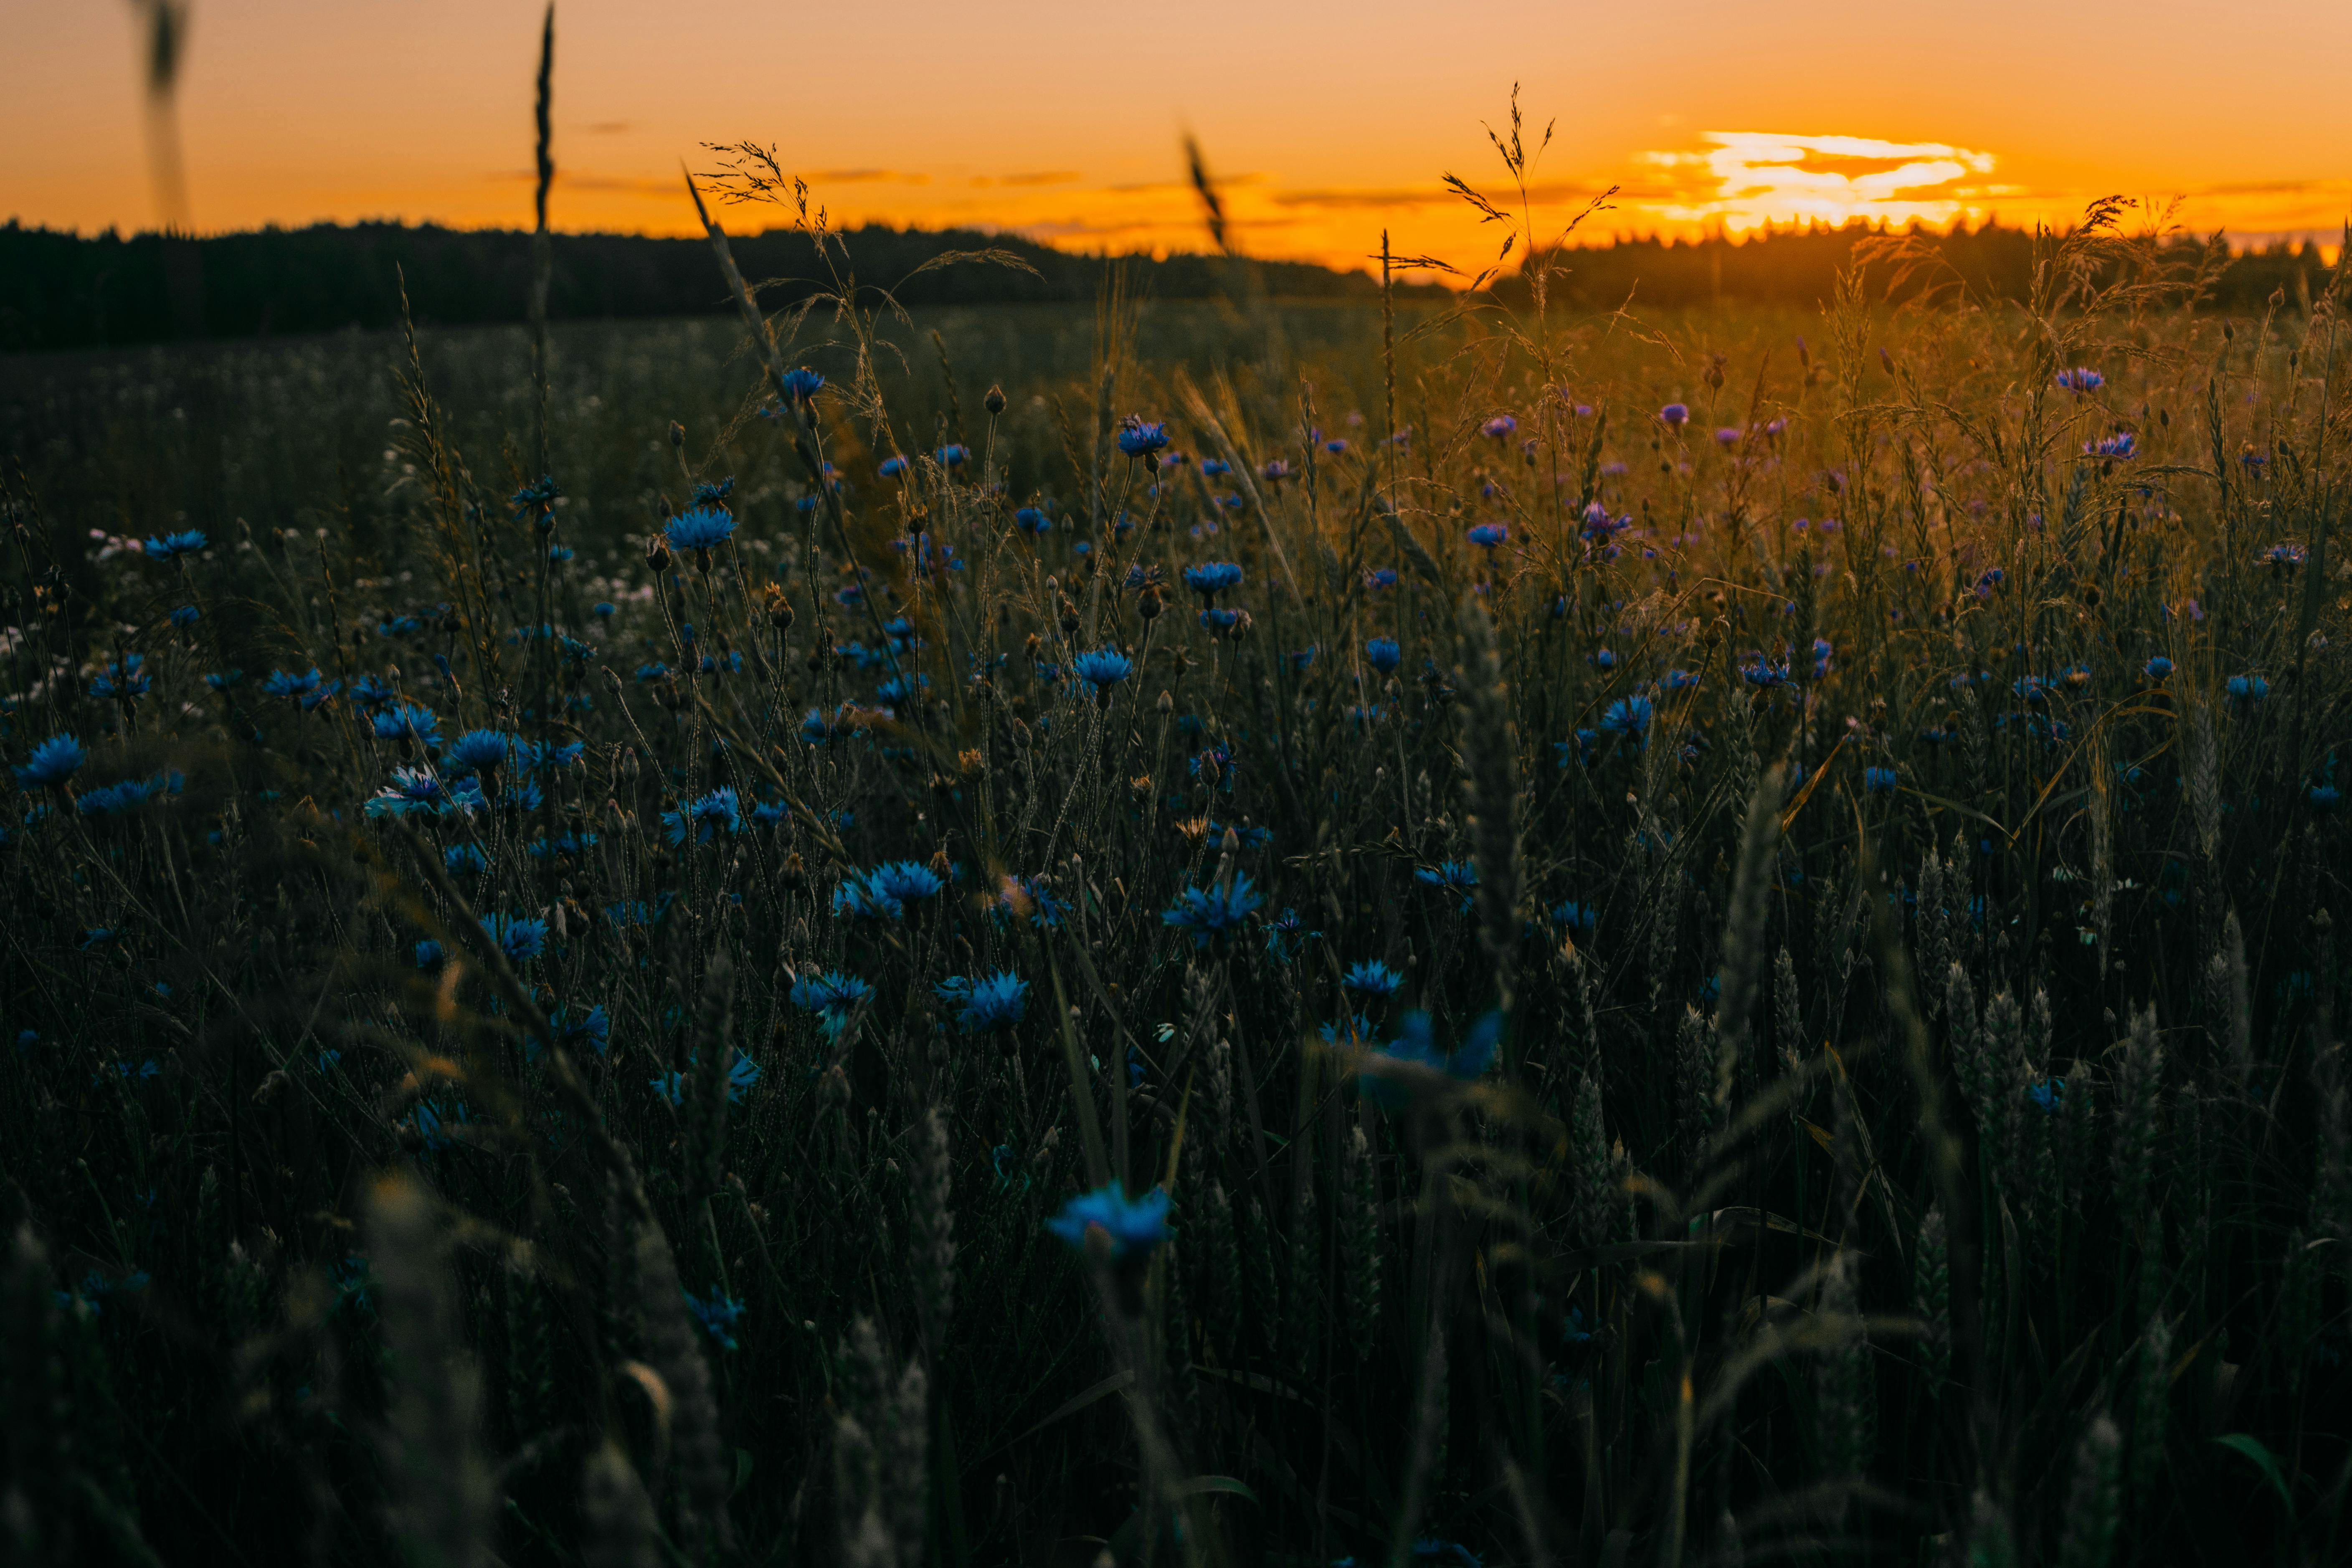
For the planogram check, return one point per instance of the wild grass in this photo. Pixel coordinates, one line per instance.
(1752, 985)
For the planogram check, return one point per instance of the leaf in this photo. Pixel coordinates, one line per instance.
(1071, 1406)
(2252, 1446)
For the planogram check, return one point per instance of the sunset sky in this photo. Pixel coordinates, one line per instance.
(1061, 121)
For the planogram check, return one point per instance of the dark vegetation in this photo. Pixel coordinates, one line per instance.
(63, 292)
(1717, 932)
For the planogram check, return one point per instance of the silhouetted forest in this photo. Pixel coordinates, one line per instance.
(60, 291)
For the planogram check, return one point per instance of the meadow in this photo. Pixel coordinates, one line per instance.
(1188, 933)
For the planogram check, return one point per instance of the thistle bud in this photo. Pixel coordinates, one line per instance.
(658, 554)
(994, 401)
(1148, 603)
(676, 436)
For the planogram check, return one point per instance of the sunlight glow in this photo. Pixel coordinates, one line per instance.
(1749, 178)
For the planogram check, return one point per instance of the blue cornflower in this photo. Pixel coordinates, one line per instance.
(428, 955)
(310, 691)
(52, 762)
(119, 799)
(1628, 717)
(891, 468)
(1383, 654)
(408, 722)
(669, 1086)
(2048, 1095)
(1380, 577)
(741, 1074)
(952, 456)
(1757, 671)
(1488, 535)
(1878, 781)
(429, 1121)
(1133, 1227)
(1137, 438)
(1213, 578)
(770, 814)
(186, 616)
(465, 859)
(800, 386)
(187, 541)
(1103, 669)
(997, 1001)
(1412, 1059)
(1675, 416)
(717, 809)
(2157, 668)
(1030, 898)
(2123, 444)
(1247, 835)
(884, 892)
(2080, 379)
(1453, 876)
(718, 1314)
(705, 528)
(519, 937)
(411, 790)
(831, 991)
(1214, 913)
(538, 497)
(1033, 520)
(2325, 797)
(371, 692)
(1576, 916)
(1499, 426)
(2248, 690)
(595, 1027)
(1372, 978)
(124, 681)
(481, 749)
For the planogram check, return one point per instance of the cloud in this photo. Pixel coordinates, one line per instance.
(864, 177)
(577, 179)
(1744, 178)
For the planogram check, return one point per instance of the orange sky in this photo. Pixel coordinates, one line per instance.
(1061, 120)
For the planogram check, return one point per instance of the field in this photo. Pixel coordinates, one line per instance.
(1201, 932)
